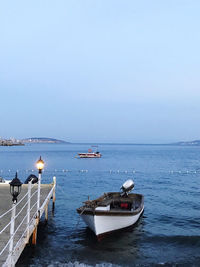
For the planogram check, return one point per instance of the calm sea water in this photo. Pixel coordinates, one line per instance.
(169, 178)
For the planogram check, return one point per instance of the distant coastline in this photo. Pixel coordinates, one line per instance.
(11, 142)
(180, 143)
(32, 140)
(47, 140)
(43, 140)
(187, 143)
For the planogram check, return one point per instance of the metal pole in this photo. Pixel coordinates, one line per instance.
(12, 229)
(38, 200)
(28, 208)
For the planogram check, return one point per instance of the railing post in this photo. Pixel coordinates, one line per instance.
(12, 229)
(46, 213)
(38, 197)
(54, 193)
(28, 209)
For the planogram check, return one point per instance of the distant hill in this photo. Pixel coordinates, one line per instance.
(188, 143)
(43, 140)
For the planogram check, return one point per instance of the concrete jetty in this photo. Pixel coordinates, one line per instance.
(26, 219)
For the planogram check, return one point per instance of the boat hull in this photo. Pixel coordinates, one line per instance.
(103, 224)
(89, 155)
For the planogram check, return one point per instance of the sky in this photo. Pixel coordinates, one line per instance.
(100, 70)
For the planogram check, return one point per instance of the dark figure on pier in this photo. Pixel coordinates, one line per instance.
(32, 177)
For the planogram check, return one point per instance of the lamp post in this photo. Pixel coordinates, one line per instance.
(40, 166)
(15, 190)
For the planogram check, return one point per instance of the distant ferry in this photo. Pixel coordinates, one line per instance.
(90, 154)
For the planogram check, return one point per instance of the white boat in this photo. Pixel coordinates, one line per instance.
(113, 211)
(90, 154)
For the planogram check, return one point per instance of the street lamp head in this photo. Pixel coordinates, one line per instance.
(15, 188)
(40, 165)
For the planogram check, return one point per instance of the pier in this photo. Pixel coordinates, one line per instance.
(19, 222)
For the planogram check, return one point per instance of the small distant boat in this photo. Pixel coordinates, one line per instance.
(90, 154)
(3, 181)
(113, 211)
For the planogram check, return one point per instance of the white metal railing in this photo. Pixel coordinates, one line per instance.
(11, 239)
(30, 218)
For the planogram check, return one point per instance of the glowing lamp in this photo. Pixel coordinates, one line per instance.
(40, 165)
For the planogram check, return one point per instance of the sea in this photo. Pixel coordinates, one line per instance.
(168, 233)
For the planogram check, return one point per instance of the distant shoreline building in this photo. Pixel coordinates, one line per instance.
(10, 142)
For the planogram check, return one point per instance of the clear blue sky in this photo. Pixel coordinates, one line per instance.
(100, 71)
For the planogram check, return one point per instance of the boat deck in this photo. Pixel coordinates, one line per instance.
(113, 204)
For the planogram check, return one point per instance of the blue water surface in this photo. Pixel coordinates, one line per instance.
(168, 176)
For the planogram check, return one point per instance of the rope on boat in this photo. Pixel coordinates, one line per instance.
(79, 218)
